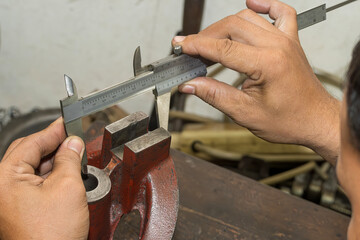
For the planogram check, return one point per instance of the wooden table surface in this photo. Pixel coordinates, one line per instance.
(216, 203)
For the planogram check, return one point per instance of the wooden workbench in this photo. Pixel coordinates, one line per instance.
(216, 203)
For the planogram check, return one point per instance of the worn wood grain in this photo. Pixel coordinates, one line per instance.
(218, 204)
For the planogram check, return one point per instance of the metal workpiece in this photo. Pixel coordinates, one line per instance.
(162, 109)
(120, 132)
(134, 171)
(100, 184)
(148, 140)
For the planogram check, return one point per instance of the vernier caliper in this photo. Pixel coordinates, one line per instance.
(160, 76)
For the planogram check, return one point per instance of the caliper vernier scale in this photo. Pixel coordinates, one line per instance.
(160, 76)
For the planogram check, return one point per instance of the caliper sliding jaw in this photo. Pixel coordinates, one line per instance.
(162, 98)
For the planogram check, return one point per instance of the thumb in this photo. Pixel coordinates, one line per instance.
(220, 95)
(67, 161)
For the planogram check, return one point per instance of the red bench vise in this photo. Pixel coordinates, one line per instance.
(131, 169)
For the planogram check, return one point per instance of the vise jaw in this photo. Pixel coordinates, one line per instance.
(131, 169)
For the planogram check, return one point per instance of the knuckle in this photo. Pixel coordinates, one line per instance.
(211, 96)
(229, 19)
(18, 167)
(257, 73)
(39, 146)
(291, 11)
(246, 13)
(16, 142)
(224, 48)
(70, 159)
(190, 38)
(190, 45)
(285, 9)
(67, 154)
(233, 21)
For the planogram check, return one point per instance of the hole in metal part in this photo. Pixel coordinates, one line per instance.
(90, 182)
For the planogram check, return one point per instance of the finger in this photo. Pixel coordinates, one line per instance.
(45, 166)
(219, 95)
(67, 162)
(27, 154)
(237, 56)
(12, 147)
(251, 16)
(283, 14)
(236, 28)
(45, 176)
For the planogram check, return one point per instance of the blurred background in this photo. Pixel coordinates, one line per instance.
(94, 41)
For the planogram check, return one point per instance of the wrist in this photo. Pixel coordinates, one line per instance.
(324, 133)
(354, 225)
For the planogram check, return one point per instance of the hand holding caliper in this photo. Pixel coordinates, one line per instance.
(282, 100)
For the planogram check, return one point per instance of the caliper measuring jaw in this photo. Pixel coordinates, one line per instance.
(74, 127)
(162, 96)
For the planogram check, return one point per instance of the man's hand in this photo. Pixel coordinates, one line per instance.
(42, 195)
(282, 100)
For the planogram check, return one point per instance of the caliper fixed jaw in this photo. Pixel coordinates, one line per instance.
(137, 67)
(74, 127)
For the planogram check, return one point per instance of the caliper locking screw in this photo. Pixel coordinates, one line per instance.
(177, 50)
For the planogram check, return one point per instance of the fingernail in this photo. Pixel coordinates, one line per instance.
(187, 89)
(76, 145)
(179, 38)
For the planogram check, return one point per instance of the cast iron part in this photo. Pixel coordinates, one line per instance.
(131, 169)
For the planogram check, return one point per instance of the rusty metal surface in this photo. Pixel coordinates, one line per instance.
(218, 204)
(142, 177)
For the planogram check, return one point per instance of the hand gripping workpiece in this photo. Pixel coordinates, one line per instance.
(131, 169)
